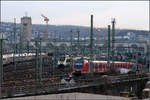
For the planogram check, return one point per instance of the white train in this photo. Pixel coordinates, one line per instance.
(64, 61)
(8, 58)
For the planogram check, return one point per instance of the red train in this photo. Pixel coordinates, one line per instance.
(83, 66)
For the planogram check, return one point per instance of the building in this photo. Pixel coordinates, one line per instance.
(26, 30)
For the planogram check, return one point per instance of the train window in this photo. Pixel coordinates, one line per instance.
(103, 66)
(50, 54)
(93, 64)
(78, 65)
(124, 65)
(62, 59)
(68, 60)
(99, 66)
(120, 65)
(96, 65)
(4, 59)
(127, 65)
(116, 65)
(131, 65)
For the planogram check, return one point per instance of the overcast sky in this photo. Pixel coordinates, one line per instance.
(128, 14)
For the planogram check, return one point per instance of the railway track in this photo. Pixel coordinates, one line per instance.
(25, 74)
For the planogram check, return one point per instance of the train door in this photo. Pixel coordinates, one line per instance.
(104, 67)
(94, 66)
(119, 65)
(116, 66)
(124, 65)
(98, 66)
(127, 65)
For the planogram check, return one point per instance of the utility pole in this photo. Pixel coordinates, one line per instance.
(71, 49)
(15, 47)
(113, 41)
(1, 65)
(84, 45)
(71, 40)
(78, 41)
(98, 37)
(108, 52)
(1, 62)
(54, 62)
(14, 43)
(91, 44)
(21, 44)
(78, 37)
(40, 69)
(98, 42)
(37, 61)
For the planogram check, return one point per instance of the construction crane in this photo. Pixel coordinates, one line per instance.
(46, 20)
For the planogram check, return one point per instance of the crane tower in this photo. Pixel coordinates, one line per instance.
(46, 20)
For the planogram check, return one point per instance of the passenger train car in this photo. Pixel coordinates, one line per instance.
(8, 58)
(83, 66)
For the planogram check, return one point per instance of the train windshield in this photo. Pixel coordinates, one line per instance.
(78, 63)
(62, 59)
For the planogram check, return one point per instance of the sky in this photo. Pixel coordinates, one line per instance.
(128, 14)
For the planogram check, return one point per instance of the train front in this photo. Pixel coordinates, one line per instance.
(78, 66)
(61, 62)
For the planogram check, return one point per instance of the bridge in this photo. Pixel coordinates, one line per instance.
(84, 84)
